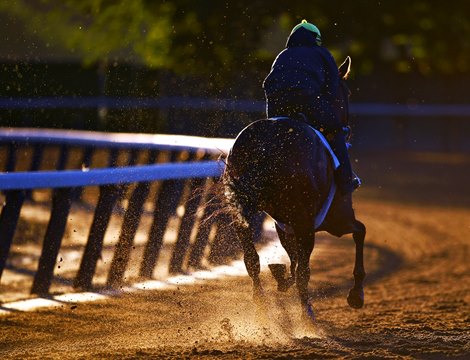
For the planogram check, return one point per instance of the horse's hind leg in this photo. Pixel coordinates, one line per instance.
(305, 243)
(251, 257)
(356, 294)
(289, 244)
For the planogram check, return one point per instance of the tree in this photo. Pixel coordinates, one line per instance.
(219, 38)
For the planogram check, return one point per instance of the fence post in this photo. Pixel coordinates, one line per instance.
(165, 206)
(37, 157)
(187, 224)
(61, 203)
(86, 163)
(113, 157)
(35, 164)
(11, 158)
(202, 236)
(8, 221)
(128, 230)
(63, 157)
(133, 157)
(109, 194)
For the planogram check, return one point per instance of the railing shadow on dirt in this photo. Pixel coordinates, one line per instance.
(390, 262)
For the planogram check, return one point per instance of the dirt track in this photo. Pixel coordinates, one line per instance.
(417, 212)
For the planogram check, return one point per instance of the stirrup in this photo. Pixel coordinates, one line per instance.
(356, 182)
(348, 186)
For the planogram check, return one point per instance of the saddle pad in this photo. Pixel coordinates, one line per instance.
(320, 216)
(328, 147)
(331, 194)
(322, 138)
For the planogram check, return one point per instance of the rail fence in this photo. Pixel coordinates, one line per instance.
(160, 177)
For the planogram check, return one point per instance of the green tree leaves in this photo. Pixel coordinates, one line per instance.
(221, 37)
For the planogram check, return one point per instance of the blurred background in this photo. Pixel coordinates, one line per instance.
(196, 67)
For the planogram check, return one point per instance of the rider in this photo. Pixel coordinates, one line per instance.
(304, 80)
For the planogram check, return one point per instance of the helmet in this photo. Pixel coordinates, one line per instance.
(309, 27)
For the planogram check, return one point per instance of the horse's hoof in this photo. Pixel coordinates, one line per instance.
(356, 298)
(278, 271)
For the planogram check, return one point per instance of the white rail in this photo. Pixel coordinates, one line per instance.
(115, 140)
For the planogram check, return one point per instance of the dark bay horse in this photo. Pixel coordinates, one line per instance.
(280, 167)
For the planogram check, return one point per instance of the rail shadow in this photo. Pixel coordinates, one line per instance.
(390, 262)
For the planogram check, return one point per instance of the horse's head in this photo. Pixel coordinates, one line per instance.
(343, 93)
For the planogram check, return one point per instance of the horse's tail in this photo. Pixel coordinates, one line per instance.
(239, 197)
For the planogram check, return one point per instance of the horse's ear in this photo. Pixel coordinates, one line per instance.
(345, 68)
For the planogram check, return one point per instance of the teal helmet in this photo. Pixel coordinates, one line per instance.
(310, 27)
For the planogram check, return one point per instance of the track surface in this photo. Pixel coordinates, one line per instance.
(417, 211)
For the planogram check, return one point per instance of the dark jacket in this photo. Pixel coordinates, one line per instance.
(303, 71)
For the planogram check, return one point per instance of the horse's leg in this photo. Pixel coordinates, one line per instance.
(356, 294)
(251, 258)
(289, 244)
(305, 243)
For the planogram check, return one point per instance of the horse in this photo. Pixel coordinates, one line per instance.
(282, 168)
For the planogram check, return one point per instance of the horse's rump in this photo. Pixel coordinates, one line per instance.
(277, 166)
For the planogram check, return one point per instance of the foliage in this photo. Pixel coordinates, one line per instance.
(222, 37)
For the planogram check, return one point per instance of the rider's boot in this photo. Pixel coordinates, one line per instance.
(345, 179)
